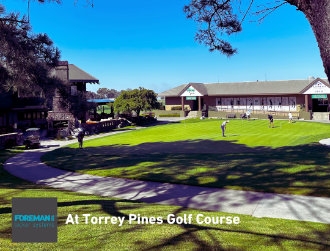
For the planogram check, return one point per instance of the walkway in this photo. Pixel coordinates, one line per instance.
(27, 166)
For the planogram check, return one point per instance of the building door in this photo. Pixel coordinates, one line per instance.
(195, 105)
(320, 104)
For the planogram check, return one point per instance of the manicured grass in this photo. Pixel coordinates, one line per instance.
(252, 156)
(250, 234)
(104, 108)
(251, 133)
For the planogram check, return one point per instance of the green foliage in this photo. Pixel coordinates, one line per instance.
(176, 108)
(107, 93)
(169, 115)
(215, 18)
(136, 100)
(25, 58)
(76, 104)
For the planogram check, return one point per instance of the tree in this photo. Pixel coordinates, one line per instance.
(136, 100)
(76, 104)
(91, 95)
(107, 93)
(25, 59)
(221, 18)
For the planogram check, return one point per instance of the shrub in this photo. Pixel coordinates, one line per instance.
(176, 108)
(169, 115)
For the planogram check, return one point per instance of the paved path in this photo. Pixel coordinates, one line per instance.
(27, 166)
(325, 142)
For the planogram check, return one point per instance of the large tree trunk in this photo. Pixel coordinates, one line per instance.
(318, 14)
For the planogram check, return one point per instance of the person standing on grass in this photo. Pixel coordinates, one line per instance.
(271, 120)
(80, 137)
(248, 114)
(290, 117)
(223, 127)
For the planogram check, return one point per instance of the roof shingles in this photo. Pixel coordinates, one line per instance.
(78, 75)
(244, 88)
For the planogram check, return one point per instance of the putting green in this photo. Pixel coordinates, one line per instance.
(251, 133)
(252, 156)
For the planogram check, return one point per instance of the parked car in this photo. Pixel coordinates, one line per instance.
(32, 138)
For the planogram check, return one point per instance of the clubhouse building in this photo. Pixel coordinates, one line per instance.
(33, 110)
(306, 99)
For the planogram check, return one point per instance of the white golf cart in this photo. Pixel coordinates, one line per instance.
(32, 138)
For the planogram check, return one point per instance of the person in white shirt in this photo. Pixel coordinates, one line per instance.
(248, 114)
(223, 127)
(290, 117)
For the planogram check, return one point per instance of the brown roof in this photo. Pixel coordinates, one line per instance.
(244, 88)
(173, 92)
(78, 75)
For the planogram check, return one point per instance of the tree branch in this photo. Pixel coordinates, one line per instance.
(219, 19)
(266, 11)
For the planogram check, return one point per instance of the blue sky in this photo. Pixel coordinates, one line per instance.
(150, 43)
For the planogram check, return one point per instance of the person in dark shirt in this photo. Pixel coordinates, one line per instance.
(80, 137)
(271, 120)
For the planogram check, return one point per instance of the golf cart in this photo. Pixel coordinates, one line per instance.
(32, 138)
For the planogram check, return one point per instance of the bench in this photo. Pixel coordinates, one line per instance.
(231, 116)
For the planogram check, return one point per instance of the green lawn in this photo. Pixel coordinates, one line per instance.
(251, 234)
(252, 156)
(251, 133)
(103, 108)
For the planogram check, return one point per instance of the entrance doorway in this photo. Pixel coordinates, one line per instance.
(195, 105)
(320, 105)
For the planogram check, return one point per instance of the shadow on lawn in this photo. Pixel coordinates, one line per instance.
(222, 164)
(211, 237)
(253, 168)
(192, 232)
(272, 170)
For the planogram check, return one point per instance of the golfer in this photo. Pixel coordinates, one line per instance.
(290, 117)
(271, 120)
(223, 127)
(80, 137)
(248, 114)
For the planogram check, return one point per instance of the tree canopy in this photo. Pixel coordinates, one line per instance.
(107, 93)
(25, 58)
(137, 100)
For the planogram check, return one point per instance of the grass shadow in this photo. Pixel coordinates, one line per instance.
(222, 164)
(308, 235)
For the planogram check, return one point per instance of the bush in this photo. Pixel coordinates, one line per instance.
(176, 108)
(169, 115)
